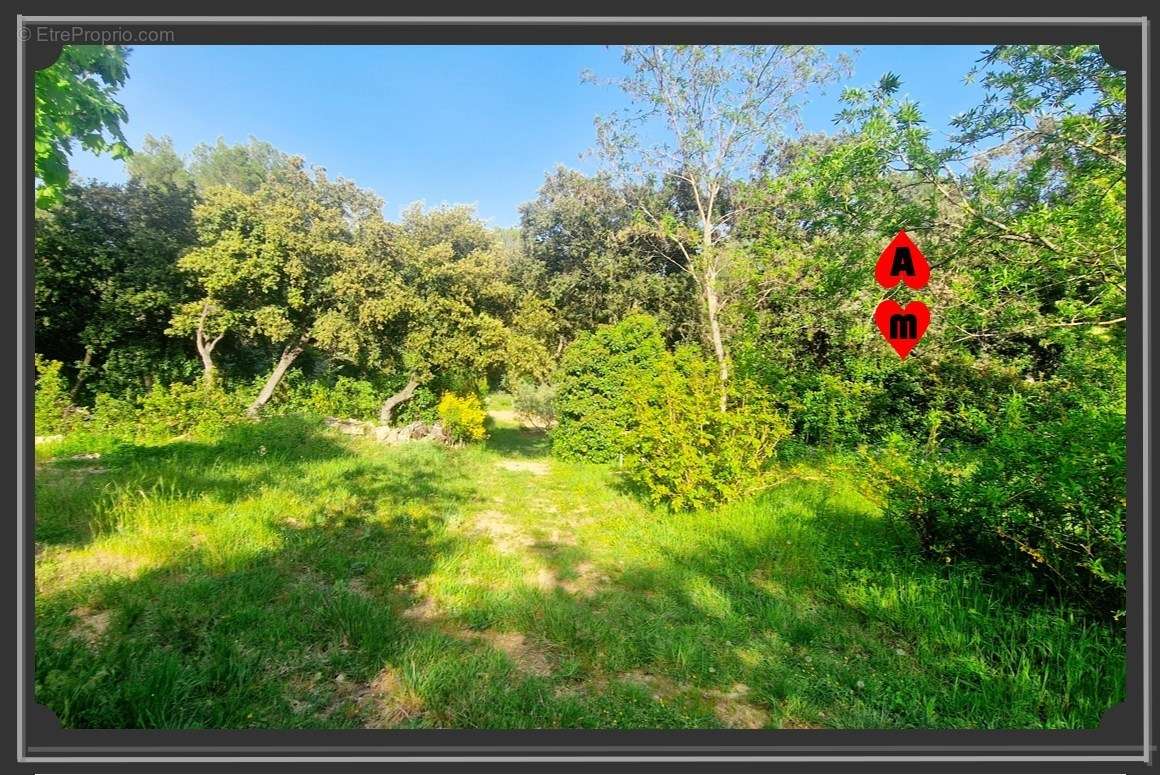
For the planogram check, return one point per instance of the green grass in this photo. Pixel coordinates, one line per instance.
(280, 576)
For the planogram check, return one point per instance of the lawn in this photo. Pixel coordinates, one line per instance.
(284, 576)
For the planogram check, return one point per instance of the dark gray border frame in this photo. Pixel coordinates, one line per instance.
(40, 740)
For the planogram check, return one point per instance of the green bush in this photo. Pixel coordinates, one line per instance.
(594, 407)
(341, 397)
(535, 403)
(1042, 503)
(683, 451)
(462, 417)
(114, 415)
(178, 409)
(53, 412)
(835, 411)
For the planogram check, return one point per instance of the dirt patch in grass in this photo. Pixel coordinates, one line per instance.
(534, 467)
(424, 610)
(587, 581)
(506, 416)
(730, 707)
(527, 657)
(387, 701)
(359, 587)
(734, 711)
(91, 624)
(110, 563)
(661, 687)
(496, 525)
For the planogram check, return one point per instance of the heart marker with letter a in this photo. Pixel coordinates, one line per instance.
(902, 326)
(902, 261)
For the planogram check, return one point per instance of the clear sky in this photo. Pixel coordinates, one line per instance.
(441, 124)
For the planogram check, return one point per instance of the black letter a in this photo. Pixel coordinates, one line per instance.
(902, 262)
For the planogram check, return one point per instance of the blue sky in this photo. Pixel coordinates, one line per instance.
(441, 124)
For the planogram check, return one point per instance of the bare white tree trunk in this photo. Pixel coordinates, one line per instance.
(205, 350)
(710, 281)
(713, 309)
(289, 354)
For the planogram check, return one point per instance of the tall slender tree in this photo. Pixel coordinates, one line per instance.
(703, 116)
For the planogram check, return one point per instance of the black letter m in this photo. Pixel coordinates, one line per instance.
(903, 327)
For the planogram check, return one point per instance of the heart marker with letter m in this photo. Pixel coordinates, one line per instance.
(903, 262)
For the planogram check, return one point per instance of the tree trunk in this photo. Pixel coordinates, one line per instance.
(205, 350)
(209, 375)
(82, 373)
(398, 398)
(289, 354)
(712, 304)
(713, 311)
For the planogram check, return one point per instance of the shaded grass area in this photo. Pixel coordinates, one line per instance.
(281, 577)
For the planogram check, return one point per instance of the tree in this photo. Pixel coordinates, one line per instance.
(265, 265)
(594, 266)
(244, 167)
(158, 165)
(719, 108)
(75, 103)
(434, 300)
(106, 278)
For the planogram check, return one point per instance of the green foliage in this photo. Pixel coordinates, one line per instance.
(462, 417)
(1042, 503)
(1005, 426)
(536, 404)
(243, 167)
(835, 410)
(157, 164)
(683, 451)
(347, 397)
(586, 257)
(53, 411)
(107, 282)
(75, 103)
(180, 409)
(594, 407)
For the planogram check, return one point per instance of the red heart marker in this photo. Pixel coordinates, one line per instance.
(902, 260)
(902, 327)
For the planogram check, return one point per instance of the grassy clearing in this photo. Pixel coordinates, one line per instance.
(284, 577)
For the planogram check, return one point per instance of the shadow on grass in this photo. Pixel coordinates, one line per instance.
(226, 636)
(801, 596)
(519, 442)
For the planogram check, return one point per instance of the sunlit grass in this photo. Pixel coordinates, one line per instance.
(279, 576)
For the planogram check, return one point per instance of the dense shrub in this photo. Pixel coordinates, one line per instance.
(683, 451)
(53, 412)
(178, 409)
(114, 415)
(594, 407)
(1042, 503)
(834, 411)
(536, 404)
(462, 417)
(341, 396)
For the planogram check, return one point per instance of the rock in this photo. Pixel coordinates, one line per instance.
(349, 427)
(415, 431)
